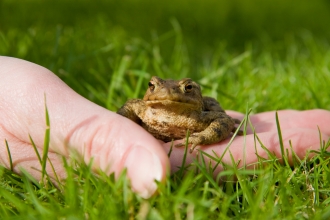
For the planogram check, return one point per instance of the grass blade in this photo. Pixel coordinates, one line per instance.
(35, 149)
(182, 168)
(46, 143)
(284, 157)
(9, 156)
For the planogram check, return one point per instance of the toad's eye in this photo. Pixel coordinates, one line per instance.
(151, 86)
(188, 88)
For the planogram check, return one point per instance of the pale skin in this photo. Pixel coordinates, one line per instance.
(78, 125)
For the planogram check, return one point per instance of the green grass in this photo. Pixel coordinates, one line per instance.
(267, 58)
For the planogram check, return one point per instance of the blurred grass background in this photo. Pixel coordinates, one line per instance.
(270, 54)
(266, 55)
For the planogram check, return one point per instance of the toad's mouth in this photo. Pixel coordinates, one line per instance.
(170, 104)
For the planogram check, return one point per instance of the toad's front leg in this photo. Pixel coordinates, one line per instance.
(132, 109)
(218, 130)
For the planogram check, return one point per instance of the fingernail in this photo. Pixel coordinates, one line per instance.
(143, 168)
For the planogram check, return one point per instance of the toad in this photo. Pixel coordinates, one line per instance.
(170, 108)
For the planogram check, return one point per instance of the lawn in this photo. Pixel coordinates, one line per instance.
(258, 56)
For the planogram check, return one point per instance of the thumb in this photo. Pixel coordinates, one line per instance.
(110, 140)
(115, 143)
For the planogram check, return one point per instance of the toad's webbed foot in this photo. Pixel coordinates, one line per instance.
(192, 141)
(217, 131)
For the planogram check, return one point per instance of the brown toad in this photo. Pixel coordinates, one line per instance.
(171, 107)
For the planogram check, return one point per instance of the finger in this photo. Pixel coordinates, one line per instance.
(235, 114)
(240, 116)
(113, 142)
(289, 119)
(264, 116)
(246, 149)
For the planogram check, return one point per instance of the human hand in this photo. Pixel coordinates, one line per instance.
(301, 127)
(76, 126)
(82, 126)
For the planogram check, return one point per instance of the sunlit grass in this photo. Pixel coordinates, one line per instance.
(270, 190)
